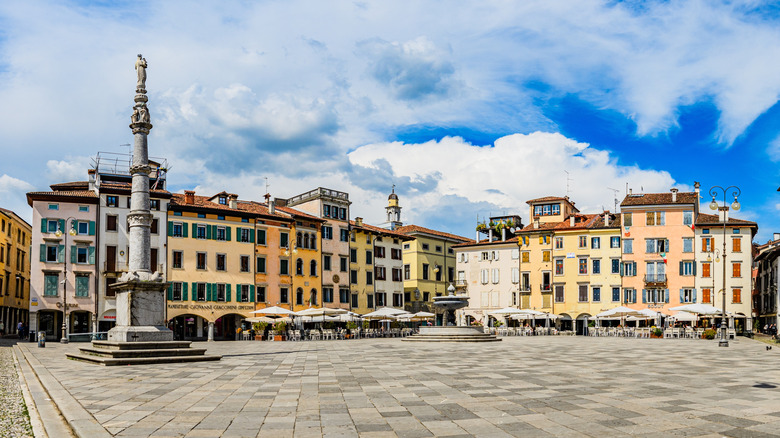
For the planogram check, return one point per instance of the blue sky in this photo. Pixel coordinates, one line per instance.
(470, 111)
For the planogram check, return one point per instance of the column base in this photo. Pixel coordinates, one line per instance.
(140, 334)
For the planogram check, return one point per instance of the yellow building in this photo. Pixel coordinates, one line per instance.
(376, 267)
(304, 253)
(210, 266)
(15, 241)
(429, 266)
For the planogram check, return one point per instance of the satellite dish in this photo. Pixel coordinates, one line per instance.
(512, 230)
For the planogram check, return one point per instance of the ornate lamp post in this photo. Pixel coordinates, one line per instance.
(59, 233)
(724, 209)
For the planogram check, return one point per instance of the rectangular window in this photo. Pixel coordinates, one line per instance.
(706, 295)
(558, 266)
(353, 255)
(176, 291)
(582, 263)
(656, 245)
(705, 269)
(687, 244)
(154, 228)
(615, 294)
(736, 244)
(515, 254)
(244, 235)
(344, 235)
(397, 274)
(629, 269)
(111, 222)
(52, 253)
(380, 272)
(368, 257)
(244, 263)
(284, 295)
(354, 300)
(425, 247)
(353, 276)
(154, 204)
(221, 293)
(327, 294)
(343, 262)
(54, 206)
(583, 293)
(50, 285)
(559, 243)
(546, 255)
(655, 271)
(655, 218)
(221, 262)
(260, 265)
(200, 260)
(425, 271)
(82, 253)
(595, 242)
(615, 266)
(706, 244)
(495, 276)
(395, 253)
(438, 248)
(583, 242)
(82, 285)
(629, 296)
(327, 232)
(688, 218)
(627, 219)
(243, 293)
(200, 231)
(379, 252)
(407, 272)
(178, 228)
(221, 233)
(326, 262)
(558, 293)
(687, 295)
(485, 276)
(628, 246)
(83, 228)
(515, 275)
(687, 268)
(261, 237)
(736, 296)
(260, 298)
(614, 242)
(596, 266)
(177, 259)
(284, 240)
(112, 201)
(526, 257)
(736, 269)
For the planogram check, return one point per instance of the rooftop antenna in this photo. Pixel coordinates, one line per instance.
(616, 199)
(567, 183)
(267, 195)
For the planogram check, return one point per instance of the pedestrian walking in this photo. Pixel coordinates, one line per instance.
(2, 328)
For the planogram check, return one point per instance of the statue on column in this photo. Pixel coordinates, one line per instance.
(140, 66)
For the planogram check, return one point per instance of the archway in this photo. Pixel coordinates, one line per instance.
(50, 322)
(226, 327)
(188, 327)
(564, 322)
(582, 324)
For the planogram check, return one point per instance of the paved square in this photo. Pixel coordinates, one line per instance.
(523, 386)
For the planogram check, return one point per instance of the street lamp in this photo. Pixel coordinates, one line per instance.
(724, 209)
(59, 233)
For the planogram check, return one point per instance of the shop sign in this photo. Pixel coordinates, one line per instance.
(212, 307)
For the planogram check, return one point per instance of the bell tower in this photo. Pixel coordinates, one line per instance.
(393, 211)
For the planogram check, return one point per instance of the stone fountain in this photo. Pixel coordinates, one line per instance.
(450, 331)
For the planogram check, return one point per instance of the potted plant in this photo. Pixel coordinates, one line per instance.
(709, 334)
(351, 325)
(481, 227)
(365, 324)
(259, 330)
(279, 328)
(656, 332)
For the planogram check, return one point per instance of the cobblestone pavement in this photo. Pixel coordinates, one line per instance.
(14, 420)
(523, 386)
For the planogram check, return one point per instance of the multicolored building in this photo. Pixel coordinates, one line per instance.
(15, 238)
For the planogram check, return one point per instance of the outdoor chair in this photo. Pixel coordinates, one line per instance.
(676, 333)
(667, 333)
(732, 334)
(314, 335)
(699, 333)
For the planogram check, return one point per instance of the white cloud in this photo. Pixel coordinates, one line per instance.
(71, 169)
(12, 196)
(517, 168)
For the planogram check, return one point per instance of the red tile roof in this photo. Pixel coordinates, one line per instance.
(549, 199)
(660, 199)
(411, 229)
(378, 230)
(713, 219)
(298, 213)
(127, 187)
(485, 242)
(178, 200)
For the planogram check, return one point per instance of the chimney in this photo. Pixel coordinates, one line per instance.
(696, 187)
(189, 197)
(606, 218)
(272, 206)
(503, 234)
(674, 195)
(571, 220)
(490, 235)
(233, 201)
(536, 222)
(776, 236)
(723, 214)
(91, 173)
(359, 221)
(630, 191)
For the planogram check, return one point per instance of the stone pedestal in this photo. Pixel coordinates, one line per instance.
(140, 311)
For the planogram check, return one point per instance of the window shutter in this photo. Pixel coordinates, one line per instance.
(194, 291)
(44, 226)
(184, 229)
(170, 291)
(682, 296)
(208, 291)
(650, 245)
(251, 236)
(694, 272)
(681, 269)
(644, 295)
(61, 253)
(170, 228)
(693, 293)
(61, 223)
(91, 255)
(227, 236)
(621, 269)
(43, 252)
(194, 230)
(633, 265)
(208, 232)
(666, 295)
(73, 254)
(91, 228)
(214, 232)
(251, 293)
(227, 293)
(497, 253)
(184, 292)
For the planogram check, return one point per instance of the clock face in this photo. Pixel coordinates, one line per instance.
(336, 278)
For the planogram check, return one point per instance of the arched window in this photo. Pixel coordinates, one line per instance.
(299, 267)
(306, 240)
(313, 300)
(314, 241)
(313, 268)
(299, 296)
(298, 240)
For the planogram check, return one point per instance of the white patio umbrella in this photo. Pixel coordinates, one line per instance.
(506, 311)
(321, 311)
(274, 310)
(685, 316)
(385, 312)
(701, 309)
(620, 311)
(266, 319)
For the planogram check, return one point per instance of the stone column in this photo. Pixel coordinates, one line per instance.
(198, 326)
(211, 331)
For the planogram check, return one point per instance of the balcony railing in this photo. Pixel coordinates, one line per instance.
(545, 287)
(655, 278)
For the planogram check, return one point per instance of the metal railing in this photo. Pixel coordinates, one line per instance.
(655, 278)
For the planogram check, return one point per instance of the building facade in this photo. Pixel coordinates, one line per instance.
(15, 241)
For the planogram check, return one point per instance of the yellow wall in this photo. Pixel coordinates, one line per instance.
(309, 284)
(533, 245)
(416, 256)
(360, 242)
(16, 251)
(272, 251)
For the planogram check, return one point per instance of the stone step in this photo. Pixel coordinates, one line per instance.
(479, 337)
(152, 352)
(161, 345)
(110, 361)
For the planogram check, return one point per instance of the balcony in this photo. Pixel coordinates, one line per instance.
(655, 280)
(545, 288)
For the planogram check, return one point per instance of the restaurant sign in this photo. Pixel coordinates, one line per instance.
(212, 307)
